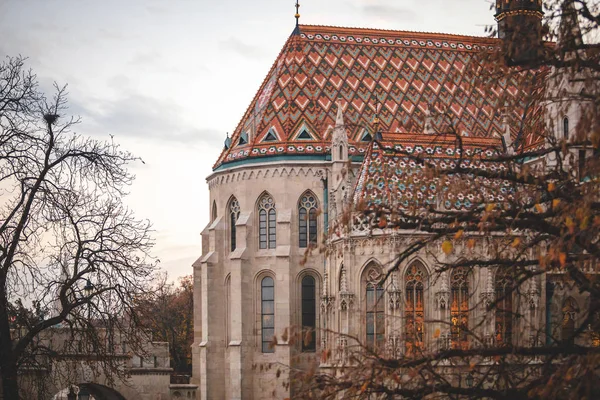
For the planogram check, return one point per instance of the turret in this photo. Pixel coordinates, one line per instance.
(520, 27)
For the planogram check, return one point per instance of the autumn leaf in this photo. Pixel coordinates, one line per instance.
(490, 207)
(364, 387)
(436, 334)
(516, 242)
(555, 203)
(471, 243)
(459, 234)
(570, 224)
(447, 247)
(539, 208)
(562, 258)
(382, 222)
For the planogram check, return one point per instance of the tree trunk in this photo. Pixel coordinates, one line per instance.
(10, 387)
(8, 368)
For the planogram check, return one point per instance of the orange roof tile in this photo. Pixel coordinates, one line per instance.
(398, 75)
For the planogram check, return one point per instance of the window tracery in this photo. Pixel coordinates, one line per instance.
(307, 219)
(266, 222)
(569, 311)
(414, 307)
(459, 308)
(375, 309)
(504, 308)
(234, 214)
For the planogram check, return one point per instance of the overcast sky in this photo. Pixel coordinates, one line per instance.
(168, 78)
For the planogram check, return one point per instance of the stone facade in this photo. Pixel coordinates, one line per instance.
(249, 283)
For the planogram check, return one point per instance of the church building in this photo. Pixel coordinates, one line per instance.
(274, 259)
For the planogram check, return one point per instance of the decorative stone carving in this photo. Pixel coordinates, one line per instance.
(394, 294)
(488, 295)
(394, 346)
(442, 297)
(342, 350)
(346, 298)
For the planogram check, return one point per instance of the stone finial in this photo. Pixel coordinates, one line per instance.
(343, 281)
(444, 286)
(339, 120)
(490, 281)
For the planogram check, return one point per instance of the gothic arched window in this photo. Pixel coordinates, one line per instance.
(266, 222)
(213, 213)
(307, 219)
(569, 311)
(375, 311)
(267, 311)
(309, 318)
(414, 307)
(459, 308)
(566, 128)
(504, 307)
(234, 214)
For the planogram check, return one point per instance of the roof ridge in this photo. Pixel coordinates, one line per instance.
(367, 30)
(287, 43)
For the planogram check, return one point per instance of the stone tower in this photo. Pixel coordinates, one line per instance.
(520, 28)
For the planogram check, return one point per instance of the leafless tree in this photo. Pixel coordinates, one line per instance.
(72, 255)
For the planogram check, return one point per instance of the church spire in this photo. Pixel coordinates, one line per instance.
(297, 16)
(570, 39)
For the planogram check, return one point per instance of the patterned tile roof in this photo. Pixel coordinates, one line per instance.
(398, 75)
(394, 180)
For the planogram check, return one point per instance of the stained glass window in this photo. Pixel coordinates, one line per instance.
(459, 308)
(504, 308)
(375, 316)
(569, 311)
(414, 307)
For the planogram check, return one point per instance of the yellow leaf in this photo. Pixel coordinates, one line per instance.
(459, 234)
(539, 208)
(436, 334)
(555, 203)
(562, 257)
(447, 247)
(516, 242)
(364, 387)
(382, 222)
(584, 223)
(490, 207)
(551, 187)
(471, 243)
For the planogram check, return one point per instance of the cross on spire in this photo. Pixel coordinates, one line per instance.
(297, 13)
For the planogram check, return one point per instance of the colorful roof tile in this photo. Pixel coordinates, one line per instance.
(392, 178)
(400, 76)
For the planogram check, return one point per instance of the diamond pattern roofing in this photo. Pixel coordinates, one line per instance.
(400, 76)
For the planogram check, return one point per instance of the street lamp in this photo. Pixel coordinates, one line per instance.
(87, 290)
(469, 380)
